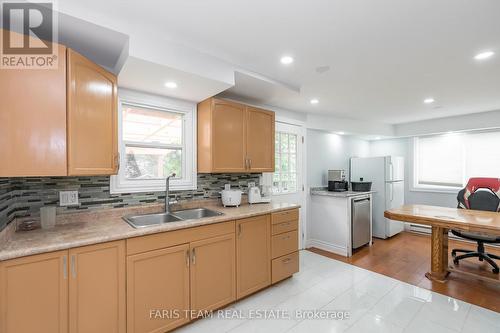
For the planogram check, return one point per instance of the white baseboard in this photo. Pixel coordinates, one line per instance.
(340, 250)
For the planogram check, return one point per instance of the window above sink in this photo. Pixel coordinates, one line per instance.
(156, 138)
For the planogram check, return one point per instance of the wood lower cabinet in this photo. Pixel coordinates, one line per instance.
(158, 290)
(148, 284)
(91, 118)
(259, 135)
(34, 294)
(234, 137)
(285, 244)
(78, 291)
(253, 254)
(213, 272)
(97, 288)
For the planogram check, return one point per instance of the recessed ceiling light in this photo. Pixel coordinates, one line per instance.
(314, 101)
(429, 100)
(341, 133)
(377, 138)
(286, 60)
(171, 85)
(484, 55)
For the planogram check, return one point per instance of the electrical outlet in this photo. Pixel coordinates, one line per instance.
(68, 198)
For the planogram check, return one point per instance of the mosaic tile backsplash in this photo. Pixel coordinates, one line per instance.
(21, 197)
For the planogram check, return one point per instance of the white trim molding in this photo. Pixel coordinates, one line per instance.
(119, 184)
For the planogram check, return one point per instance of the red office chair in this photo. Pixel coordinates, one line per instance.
(479, 194)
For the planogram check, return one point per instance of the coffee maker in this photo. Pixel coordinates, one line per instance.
(336, 181)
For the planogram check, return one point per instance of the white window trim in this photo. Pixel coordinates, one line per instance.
(118, 183)
(298, 187)
(414, 186)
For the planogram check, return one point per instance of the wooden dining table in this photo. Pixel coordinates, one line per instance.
(442, 219)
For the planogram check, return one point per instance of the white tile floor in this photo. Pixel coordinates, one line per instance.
(376, 304)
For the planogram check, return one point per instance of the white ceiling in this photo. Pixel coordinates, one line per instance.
(385, 56)
(139, 74)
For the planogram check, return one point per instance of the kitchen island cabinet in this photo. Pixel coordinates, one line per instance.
(331, 227)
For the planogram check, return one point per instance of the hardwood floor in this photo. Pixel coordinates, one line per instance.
(406, 257)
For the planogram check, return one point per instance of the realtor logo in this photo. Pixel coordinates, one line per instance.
(28, 36)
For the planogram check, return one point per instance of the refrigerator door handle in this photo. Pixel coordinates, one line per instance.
(392, 192)
(391, 171)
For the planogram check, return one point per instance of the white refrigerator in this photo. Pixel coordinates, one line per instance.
(387, 176)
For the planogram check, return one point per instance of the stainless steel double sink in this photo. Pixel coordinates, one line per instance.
(147, 220)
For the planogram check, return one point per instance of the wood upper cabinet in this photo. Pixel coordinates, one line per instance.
(233, 137)
(91, 118)
(34, 294)
(213, 272)
(260, 139)
(58, 122)
(33, 120)
(253, 254)
(158, 280)
(97, 288)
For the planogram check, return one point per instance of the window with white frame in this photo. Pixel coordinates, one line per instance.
(446, 162)
(156, 139)
(285, 174)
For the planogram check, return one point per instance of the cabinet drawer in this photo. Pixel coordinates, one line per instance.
(285, 243)
(282, 227)
(287, 215)
(285, 266)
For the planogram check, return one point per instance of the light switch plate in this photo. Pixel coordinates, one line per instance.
(251, 184)
(68, 198)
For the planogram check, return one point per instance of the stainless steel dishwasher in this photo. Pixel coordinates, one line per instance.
(360, 221)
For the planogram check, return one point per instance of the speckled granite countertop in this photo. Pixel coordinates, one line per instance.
(79, 229)
(346, 194)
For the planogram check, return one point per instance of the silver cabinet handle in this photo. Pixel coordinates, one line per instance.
(187, 257)
(117, 161)
(73, 266)
(193, 259)
(249, 163)
(65, 267)
(286, 261)
(239, 230)
(286, 237)
(285, 224)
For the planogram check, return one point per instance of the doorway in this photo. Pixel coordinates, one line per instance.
(288, 183)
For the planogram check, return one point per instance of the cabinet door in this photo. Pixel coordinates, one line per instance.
(92, 118)
(213, 273)
(33, 120)
(228, 137)
(253, 254)
(158, 290)
(34, 294)
(97, 288)
(260, 140)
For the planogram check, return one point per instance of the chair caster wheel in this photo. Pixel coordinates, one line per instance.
(453, 253)
(496, 270)
(455, 261)
(481, 259)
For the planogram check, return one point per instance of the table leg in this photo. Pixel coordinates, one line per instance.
(439, 255)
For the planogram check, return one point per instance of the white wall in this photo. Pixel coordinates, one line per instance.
(403, 147)
(330, 151)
